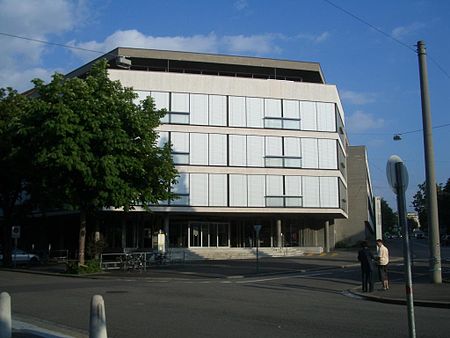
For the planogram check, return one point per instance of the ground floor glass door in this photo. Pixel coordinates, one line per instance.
(209, 234)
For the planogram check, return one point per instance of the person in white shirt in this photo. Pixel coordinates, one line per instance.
(383, 261)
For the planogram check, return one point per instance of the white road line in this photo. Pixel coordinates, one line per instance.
(284, 277)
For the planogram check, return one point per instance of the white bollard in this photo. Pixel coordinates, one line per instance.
(97, 322)
(5, 315)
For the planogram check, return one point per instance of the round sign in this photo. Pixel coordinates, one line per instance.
(391, 174)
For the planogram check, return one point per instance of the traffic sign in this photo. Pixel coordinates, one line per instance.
(257, 228)
(392, 176)
(15, 231)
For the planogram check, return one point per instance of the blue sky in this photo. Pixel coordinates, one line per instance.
(377, 77)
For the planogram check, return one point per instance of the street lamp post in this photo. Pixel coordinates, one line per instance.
(431, 194)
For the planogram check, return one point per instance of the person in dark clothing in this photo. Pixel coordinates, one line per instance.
(366, 258)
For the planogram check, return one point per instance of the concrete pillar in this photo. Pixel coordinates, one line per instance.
(279, 235)
(327, 237)
(97, 322)
(5, 315)
(167, 229)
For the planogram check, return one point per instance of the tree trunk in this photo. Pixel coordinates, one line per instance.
(82, 237)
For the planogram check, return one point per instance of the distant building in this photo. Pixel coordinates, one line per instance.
(361, 222)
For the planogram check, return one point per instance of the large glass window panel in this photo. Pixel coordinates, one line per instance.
(310, 157)
(218, 190)
(180, 147)
(292, 146)
(327, 154)
(217, 149)
(274, 152)
(273, 123)
(238, 190)
(272, 108)
(198, 189)
(274, 191)
(291, 124)
(237, 112)
(199, 109)
(180, 103)
(222, 234)
(329, 196)
(293, 202)
(181, 189)
(238, 150)
(255, 151)
(326, 116)
(198, 149)
(205, 234)
(256, 190)
(308, 115)
(163, 138)
(179, 118)
(212, 234)
(274, 161)
(255, 112)
(217, 110)
(196, 232)
(275, 201)
(311, 192)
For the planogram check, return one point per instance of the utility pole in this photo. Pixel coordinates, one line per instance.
(431, 194)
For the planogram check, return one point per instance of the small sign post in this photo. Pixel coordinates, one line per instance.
(397, 176)
(257, 228)
(15, 234)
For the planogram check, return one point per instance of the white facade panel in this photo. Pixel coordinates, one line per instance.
(217, 110)
(217, 149)
(180, 142)
(329, 196)
(274, 146)
(292, 147)
(141, 96)
(198, 190)
(272, 108)
(237, 111)
(293, 185)
(256, 190)
(180, 102)
(308, 115)
(326, 116)
(199, 109)
(238, 190)
(311, 192)
(327, 154)
(291, 109)
(255, 151)
(238, 150)
(161, 100)
(310, 157)
(198, 149)
(217, 190)
(255, 112)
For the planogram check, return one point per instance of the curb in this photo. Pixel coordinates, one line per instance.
(399, 301)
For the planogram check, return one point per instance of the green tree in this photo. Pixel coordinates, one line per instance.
(14, 164)
(388, 216)
(443, 199)
(94, 148)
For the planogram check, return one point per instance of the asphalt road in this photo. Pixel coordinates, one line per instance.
(302, 304)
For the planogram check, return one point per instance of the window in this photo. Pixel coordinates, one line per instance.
(199, 109)
(326, 116)
(217, 110)
(198, 149)
(308, 115)
(255, 112)
(180, 147)
(181, 189)
(237, 111)
(238, 150)
(238, 190)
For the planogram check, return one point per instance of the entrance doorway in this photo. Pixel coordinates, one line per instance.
(207, 235)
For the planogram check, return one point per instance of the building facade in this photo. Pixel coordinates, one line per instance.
(256, 142)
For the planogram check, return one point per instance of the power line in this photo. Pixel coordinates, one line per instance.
(417, 130)
(354, 16)
(51, 43)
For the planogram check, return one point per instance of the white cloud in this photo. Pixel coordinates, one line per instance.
(361, 121)
(315, 38)
(210, 43)
(36, 20)
(402, 31)
(241, 4)
(357, 98)
(257, 44)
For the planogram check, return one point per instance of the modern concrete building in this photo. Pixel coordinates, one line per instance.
(256, 141)
(362, 220)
